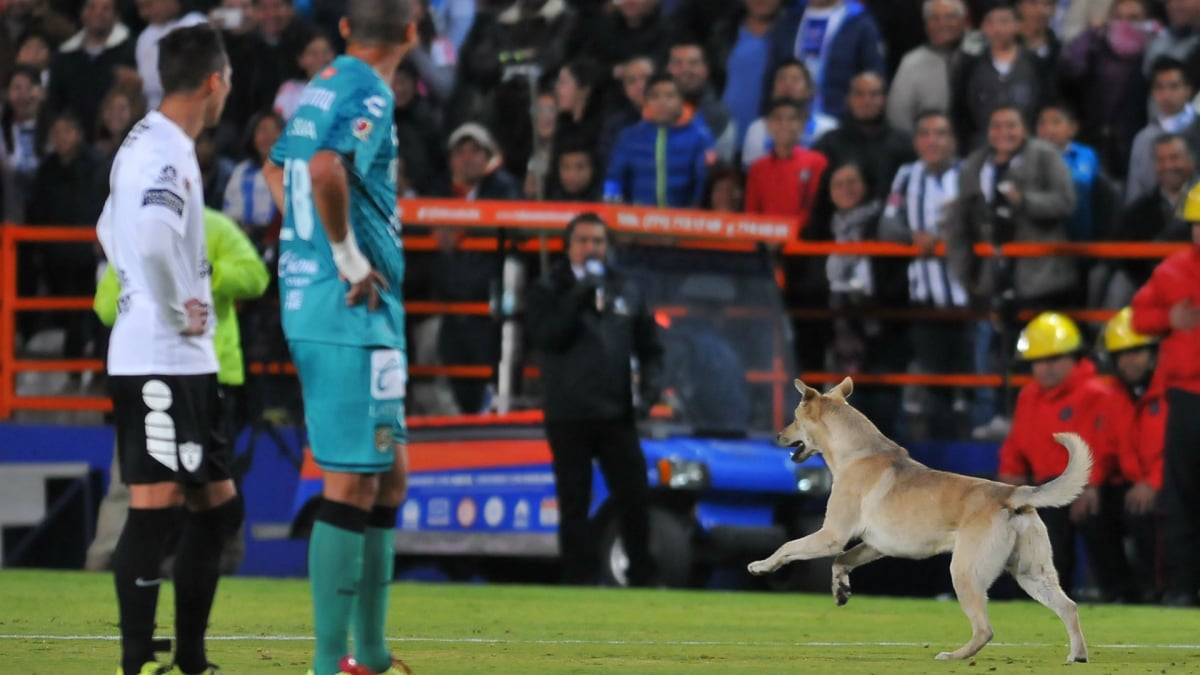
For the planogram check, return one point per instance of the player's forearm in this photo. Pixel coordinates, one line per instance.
(331, 194)
(274, 177)
(331, 199)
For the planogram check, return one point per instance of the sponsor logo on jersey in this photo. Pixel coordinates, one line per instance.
(292, 264)
(375, 105)
(361, 128)
(164, 198)
(167, 175)
(388, 374)
(328, 73)
(317, 97)
(303, 128)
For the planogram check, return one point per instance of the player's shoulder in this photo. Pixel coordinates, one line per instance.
(154, 164)
(356, 83)
(151, 142)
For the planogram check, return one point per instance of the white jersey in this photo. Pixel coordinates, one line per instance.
(152, 231)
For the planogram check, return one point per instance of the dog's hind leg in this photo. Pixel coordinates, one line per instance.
(824, 542)
(979, 557)
(1032, 565)
(844, 564)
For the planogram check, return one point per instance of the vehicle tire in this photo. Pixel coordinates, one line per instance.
(670, 545)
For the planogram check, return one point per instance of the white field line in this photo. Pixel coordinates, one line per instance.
(675, 643)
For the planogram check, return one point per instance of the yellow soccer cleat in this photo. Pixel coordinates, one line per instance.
(149, 668)
(398, 668)
(210, 670)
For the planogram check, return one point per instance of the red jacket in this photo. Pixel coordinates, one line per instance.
(1175, 279)
(1082, 404)
(785, 186)
(1138, 428)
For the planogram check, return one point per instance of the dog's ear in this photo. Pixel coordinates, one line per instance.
(807, 393)
(843, 389)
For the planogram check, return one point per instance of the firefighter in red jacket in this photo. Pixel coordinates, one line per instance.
(1066, 395)
(1168, 307)
(1137, 428)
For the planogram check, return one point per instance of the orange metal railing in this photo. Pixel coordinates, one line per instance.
(693, 229)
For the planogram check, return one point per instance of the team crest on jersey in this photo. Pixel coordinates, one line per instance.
(361, 128)
(1065, 414)
(1153, 407)
(190, 455)
(328, 72)
(383, 437)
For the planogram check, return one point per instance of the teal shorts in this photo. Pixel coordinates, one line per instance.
(353, 404)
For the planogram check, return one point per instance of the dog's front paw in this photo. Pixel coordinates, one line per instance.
(944, 656)
(760, 567)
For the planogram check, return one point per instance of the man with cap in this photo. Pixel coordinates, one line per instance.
(1137, 428)
(476, 166)
(1065, 395)
(476, 172)
(1168, 307)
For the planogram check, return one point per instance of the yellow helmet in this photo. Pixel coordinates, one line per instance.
(1119, 334)
(1049, 334)
(1191, 206)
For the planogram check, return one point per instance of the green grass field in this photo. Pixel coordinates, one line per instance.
(64, 623)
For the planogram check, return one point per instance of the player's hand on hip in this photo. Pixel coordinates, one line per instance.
(367, 290)
(197, 317)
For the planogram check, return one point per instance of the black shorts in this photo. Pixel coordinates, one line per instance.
(169, 428)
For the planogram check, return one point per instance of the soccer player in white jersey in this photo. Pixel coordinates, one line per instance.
(162, 362)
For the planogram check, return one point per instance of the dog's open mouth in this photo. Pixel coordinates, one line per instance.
(798, 449)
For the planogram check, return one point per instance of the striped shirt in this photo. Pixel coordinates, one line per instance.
(918, 200)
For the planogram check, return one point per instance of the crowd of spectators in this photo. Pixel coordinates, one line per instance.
(902, 120)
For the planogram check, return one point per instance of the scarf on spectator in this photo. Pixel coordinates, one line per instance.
(851, 274)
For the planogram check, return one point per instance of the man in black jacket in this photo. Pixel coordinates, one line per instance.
(591, 323)
(90, 63)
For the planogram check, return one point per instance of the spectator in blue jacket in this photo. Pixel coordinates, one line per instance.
(662, 160)
(836, 40)
(1057, 126)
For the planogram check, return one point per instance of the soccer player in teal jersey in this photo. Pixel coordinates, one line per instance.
(341, 268)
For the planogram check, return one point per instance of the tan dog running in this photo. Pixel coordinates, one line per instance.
(899, 507)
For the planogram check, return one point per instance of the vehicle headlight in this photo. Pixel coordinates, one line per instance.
(682, 474)
(814, 481)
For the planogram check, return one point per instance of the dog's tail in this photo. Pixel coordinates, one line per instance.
(1064, 489)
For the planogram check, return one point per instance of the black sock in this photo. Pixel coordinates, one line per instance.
(197, 562)
(136, 570)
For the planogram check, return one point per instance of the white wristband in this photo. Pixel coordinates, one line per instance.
(349, 260)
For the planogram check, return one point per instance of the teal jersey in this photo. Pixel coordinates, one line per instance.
(347, 109)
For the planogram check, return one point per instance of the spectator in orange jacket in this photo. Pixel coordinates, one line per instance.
(1137, 428)
(1065, 395)
(1168, 306)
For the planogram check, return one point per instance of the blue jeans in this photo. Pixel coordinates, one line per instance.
(983, 407)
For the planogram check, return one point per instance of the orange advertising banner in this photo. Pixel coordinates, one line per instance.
(641, 220)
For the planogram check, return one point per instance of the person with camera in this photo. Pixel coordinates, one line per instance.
(601, 359)
(1013, 189)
